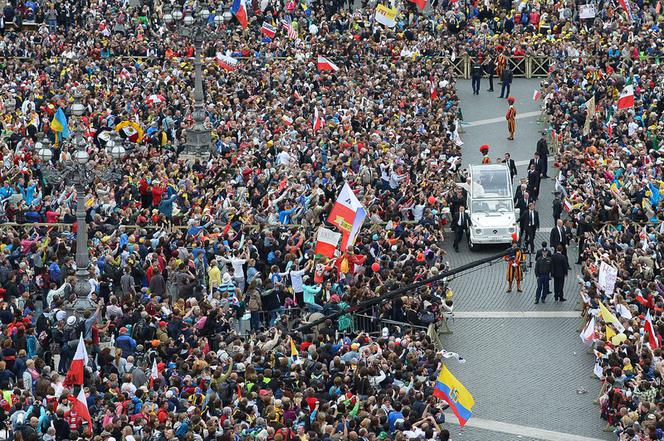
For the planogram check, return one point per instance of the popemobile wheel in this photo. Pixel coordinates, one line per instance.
(471, 245)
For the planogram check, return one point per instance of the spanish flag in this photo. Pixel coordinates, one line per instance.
(450, 389)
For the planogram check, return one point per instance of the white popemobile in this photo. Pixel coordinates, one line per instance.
(491, 205)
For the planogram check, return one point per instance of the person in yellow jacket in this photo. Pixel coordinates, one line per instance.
(214, 276)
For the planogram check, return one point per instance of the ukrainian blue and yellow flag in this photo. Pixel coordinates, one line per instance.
(655, 195)
(450, 389)
(59, 124)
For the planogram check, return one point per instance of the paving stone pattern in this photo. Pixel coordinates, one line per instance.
(522, 371)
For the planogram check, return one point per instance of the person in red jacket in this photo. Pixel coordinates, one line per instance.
(347, 262)
(146, 194)
(74, 420)
(157, 192)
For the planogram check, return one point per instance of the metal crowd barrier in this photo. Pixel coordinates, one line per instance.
(538, 66)
(359, 322)
(528, 66)
(374, 325)
(518, 66)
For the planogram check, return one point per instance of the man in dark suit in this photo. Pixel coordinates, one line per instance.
(537, 161)
(460, 224)
(521, 198)
(557, 206)
(533, 181)
(558, 236)
(456, 200)
(543, 151)
(476, 76)
(506, 82)
(529, 224)
(543, 274)
(511, 164)
(559, 272)
(569, 235)
(490, 69)
(540, 253)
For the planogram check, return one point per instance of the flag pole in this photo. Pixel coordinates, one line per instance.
(362, 306)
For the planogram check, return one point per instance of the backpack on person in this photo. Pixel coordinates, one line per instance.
(143, 331)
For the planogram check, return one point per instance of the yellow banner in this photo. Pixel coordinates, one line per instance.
(386, 16)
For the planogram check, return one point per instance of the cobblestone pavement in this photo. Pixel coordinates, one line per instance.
(523, 371)
(527, 371)
(475, 434)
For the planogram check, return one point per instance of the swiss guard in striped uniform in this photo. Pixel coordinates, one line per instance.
(484, 150)
(515, 263)
(510, 116)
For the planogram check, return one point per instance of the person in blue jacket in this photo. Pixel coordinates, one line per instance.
(125, 342)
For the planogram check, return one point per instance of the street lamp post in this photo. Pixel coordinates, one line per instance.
(194, 24)
(77, 171)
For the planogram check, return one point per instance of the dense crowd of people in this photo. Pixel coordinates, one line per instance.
(201, 268)
(611, 180)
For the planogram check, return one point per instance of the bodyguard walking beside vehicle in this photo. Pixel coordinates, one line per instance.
(559, 272)
(460, 225)
(543, 274)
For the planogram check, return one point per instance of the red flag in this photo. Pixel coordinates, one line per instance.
(268, 30)
(626, 98)
(80, 406)
(628, 9)
(239, 9)
(317, 122)
(348, 215)
(421, 4)
(643, 301)
(288, 120)
(75, 373)
(225, 62)
(325, 64)
(327, 242)
(432, 89)
(648, 326)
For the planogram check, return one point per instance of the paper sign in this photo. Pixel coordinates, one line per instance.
(386, 16)
(587, 11)
(607, 278)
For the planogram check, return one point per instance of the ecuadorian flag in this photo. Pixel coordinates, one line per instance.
(450, 389)
(59, 124)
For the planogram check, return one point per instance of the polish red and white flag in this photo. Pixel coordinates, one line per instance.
(317, 121)
(77, 367)
(325, 64)
(80, 406)
(648, 326)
